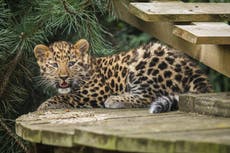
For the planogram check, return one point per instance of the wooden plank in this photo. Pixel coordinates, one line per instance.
(204, 33)
(177, 11)
(217, 104)
(215, 56)
(130, 130)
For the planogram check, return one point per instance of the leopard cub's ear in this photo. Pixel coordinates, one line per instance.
(82, 45)
(41, 52)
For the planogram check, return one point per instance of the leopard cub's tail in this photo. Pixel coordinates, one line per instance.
(164, 104)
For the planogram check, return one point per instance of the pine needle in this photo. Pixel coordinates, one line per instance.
(10, 68)
(12, 135)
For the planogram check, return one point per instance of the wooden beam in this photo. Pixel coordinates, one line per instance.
(204, 32)
(214, 56)
(178, 11)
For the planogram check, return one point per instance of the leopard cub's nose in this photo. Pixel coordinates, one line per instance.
(63, 77)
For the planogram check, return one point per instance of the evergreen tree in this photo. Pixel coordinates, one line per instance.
(23, 24)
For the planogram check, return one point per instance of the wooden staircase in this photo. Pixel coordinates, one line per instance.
(179, 25)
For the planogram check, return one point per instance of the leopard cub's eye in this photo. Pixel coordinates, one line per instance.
(54, 64)
(71, 63)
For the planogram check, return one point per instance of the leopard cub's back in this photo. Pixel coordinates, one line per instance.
(155, 68)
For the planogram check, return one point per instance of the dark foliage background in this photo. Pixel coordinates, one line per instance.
(25, 23)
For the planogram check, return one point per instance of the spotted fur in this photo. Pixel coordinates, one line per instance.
(152, 73)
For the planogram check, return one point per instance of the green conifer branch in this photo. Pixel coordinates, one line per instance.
(10, 69)
(67, 9)
(14, 136)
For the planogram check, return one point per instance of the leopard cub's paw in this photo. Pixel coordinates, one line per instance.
(113, 102)
(52, 105)
(43, 106)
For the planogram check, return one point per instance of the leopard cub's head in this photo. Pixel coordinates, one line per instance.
(62, 64)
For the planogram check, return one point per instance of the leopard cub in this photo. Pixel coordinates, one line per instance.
(149, 76)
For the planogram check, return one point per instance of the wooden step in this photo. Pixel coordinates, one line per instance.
(180, 12)
(204, 32)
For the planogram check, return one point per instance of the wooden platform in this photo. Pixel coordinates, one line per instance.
(133, 130)
(128, 130)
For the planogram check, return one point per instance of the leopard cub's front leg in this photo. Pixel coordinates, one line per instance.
(59, 101)
(128, 100)
(87, 96)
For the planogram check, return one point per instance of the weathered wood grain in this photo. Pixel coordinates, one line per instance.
(214, 56)
(130, 130)
(204, 32)
(178, 12)
(212, 104)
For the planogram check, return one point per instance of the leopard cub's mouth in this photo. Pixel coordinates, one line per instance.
(63, 87)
